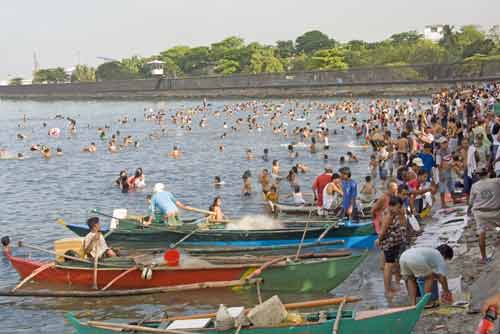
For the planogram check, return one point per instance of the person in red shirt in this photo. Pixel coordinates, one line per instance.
(319, 184)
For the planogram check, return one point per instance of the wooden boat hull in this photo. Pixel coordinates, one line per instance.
(359, 236)
(322, 274)
(390, 321)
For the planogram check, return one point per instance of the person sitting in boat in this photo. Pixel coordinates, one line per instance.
(164, 203)
(94, 244)
(217, 215)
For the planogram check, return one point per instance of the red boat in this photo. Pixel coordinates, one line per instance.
(308, 273)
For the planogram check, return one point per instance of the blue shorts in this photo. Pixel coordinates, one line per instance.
(447, 183)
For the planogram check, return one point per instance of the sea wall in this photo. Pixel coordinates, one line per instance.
(397, 80)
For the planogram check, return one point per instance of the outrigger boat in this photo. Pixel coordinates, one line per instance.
(130, 234)
(399, 320)
(303, 273)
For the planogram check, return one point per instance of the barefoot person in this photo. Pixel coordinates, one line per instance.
(217, 210)
(391, 239)
(428, 263)
(484, 206)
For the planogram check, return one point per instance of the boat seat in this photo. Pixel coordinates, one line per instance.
(189, 324)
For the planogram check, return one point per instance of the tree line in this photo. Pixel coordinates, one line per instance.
(314, 50)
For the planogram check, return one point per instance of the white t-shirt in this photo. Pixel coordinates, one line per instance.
(497, 164)
(102, 246)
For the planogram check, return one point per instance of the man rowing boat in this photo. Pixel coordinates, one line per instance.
(165, 205)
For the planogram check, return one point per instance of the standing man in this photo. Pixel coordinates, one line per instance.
(444, 158)
(484, 206)
(350, 190)
(429, 263)
(165, 205)
(319, 185)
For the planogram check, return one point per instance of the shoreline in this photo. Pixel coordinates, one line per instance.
(147, 90)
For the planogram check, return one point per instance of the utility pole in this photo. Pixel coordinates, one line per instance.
(35, 63)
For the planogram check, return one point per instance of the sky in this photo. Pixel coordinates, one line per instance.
(64, 32)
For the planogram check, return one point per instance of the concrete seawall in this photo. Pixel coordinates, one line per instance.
(382, 81)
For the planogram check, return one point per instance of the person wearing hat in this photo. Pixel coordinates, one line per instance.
(94, 244)
(165, 205)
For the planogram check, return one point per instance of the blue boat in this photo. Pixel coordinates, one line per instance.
(131, 235)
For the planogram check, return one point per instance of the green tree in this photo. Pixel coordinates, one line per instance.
(406, 37)
(16, 81)
(83, 73)
(494, 34)
(312, 41)
(114, 71)
(331, 59)
(134, 64)
(298, 63)
(227, 66)
(221, 49)
(427, 52)
(50, 75)
(285, 49)
(195, 60)
(264, 61)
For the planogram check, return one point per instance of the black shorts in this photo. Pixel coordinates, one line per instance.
(392, 254)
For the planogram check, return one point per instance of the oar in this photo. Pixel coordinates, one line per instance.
(325, 232)
(173, 245)
(133, 328)
(22, 244)
(205, 212)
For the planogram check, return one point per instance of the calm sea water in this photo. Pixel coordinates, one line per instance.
(36, 192)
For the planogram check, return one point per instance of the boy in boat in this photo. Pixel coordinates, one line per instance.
(94, 243)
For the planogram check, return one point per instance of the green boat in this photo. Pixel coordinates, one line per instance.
(400, 320)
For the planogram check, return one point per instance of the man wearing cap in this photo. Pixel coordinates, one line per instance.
(484, 207)
(94, 244)
(444, 158)
(416, 165)
(165, 205)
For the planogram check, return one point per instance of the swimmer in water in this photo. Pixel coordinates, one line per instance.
(249, 155)
(218, 182)
(175, 153)
(342, 160)
(92, 148)
(247, 183)
(112, 148)
(46, 152)
(265, 157)
(351, 157)
(59, 152)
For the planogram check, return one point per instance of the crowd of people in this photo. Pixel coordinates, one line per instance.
(423, 155)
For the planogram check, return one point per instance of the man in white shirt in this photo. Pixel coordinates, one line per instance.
(94, 243)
